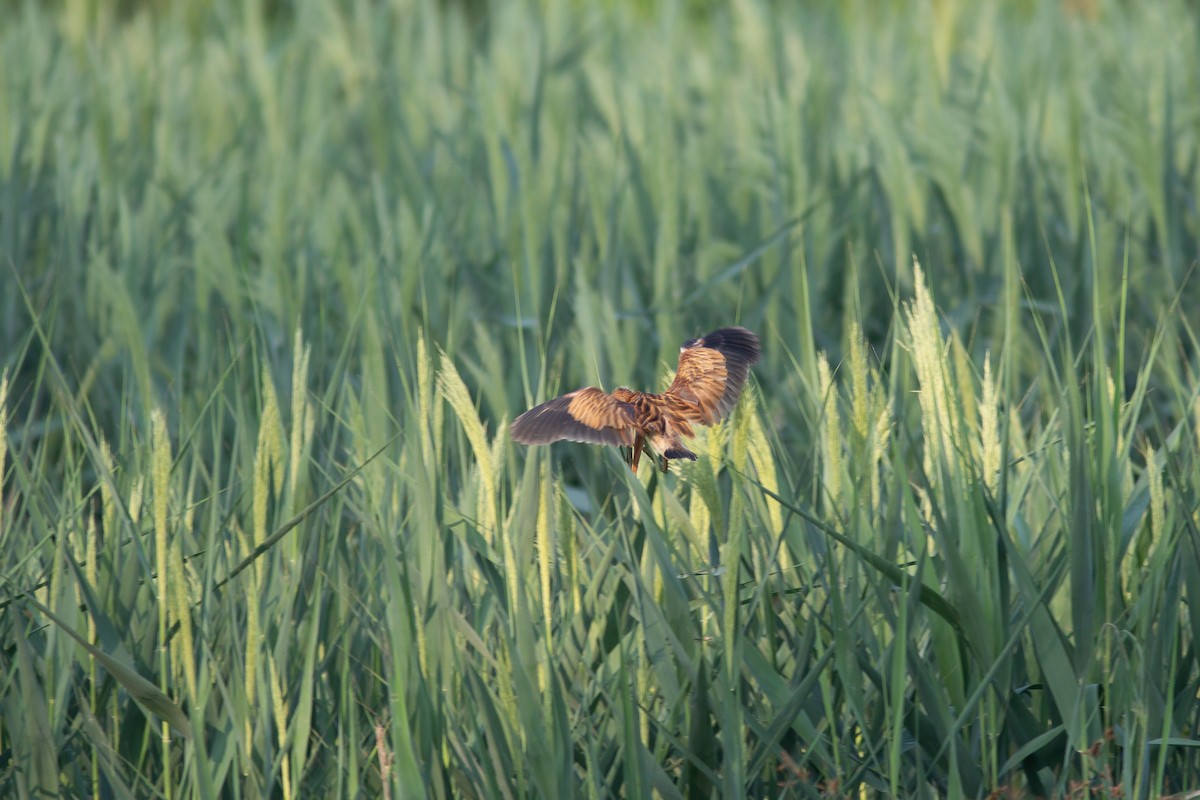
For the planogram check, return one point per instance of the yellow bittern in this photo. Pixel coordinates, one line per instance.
(708, 381)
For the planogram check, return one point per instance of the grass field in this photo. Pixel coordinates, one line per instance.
(275, 278)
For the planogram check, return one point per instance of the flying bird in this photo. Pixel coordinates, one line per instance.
(708, 381)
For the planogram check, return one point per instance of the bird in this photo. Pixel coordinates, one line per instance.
(708, 382)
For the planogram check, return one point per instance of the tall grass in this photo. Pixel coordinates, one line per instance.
(275, 279)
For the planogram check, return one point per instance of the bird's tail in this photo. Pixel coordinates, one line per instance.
(680, 452)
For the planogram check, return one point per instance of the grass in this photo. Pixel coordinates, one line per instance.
(276, 278)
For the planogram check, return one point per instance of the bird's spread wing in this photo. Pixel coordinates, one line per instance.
(584, 415)
(712, 371)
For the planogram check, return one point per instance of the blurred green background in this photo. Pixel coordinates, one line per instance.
(248, 247)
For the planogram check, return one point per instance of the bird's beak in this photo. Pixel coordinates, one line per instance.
(635, 453)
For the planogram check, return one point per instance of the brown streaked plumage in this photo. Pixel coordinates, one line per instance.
(712, 371)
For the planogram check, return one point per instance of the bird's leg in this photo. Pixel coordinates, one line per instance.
(665, 463)
(635, 454)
